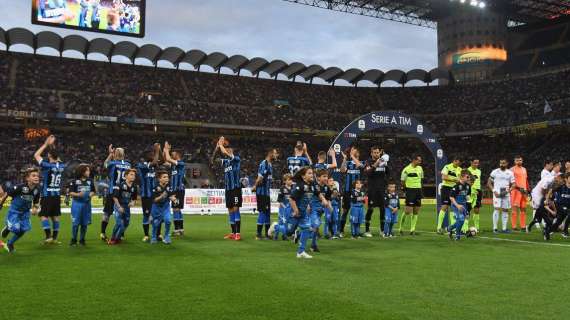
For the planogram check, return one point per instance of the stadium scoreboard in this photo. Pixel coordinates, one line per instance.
(119, 17)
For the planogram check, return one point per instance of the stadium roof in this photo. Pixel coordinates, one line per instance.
(426, 13)
(216, 60)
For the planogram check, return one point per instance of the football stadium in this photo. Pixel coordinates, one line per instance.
(268, 176)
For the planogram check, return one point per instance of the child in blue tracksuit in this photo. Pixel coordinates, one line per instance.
(25, 199)
(284, 208)
(81, 191)
(459, 197)
(301, 195)
(124, 196)
(318, 204)
(333, 219)
(160, 212)
(356, 209)
(392, 203)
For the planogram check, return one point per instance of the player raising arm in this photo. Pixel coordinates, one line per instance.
(177, 177)
(116, 167)
(231, 164)
(300, 159)
(51, 176)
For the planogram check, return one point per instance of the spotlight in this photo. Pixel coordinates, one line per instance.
(474, 3)
(482, 5)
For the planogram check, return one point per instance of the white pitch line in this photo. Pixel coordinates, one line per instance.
(514, 240)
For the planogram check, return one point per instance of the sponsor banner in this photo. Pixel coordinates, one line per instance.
(9, 113)
(213, 201)
(475, 56)
(518, 129)
(88, 117)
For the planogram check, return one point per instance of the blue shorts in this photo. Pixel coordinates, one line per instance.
(315, 220)
(391, 217)
(124, 218)
(161, 214)
(460, 214)
(18, 222)
(303, 221)
(284, 215)
(356, 214)
(80, 213)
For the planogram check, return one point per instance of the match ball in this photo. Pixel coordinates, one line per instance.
(472, 231)
(271, 230)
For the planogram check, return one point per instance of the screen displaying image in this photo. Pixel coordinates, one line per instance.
(123, 17)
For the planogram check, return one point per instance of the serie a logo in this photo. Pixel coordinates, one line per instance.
(420, 129)
(361, 124)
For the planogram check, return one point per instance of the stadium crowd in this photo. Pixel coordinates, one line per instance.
(52, 85)
(96, 88)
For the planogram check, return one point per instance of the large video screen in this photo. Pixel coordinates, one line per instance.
(122, 17)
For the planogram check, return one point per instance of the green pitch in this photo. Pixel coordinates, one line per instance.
(203, 276)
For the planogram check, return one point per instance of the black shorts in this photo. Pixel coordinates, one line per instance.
(50, 206)
(346, 203)
(233, 198)
(413, 197)
(146, 205)
(179, 203)
(445, 195)
(263, 203)
(479, 199)
(376, 198)
(109, 205)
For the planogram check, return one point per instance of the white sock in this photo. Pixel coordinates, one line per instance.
(505, 220)
(495, 219)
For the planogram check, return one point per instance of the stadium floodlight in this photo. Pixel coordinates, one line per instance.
(462, 1)
(474, 3)
(482, 5)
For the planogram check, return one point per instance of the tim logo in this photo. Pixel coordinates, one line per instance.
(350, 135)
(439, 153)
(336, 148)
(361, 124)
(420, 129)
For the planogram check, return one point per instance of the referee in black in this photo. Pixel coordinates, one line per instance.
(376, 170)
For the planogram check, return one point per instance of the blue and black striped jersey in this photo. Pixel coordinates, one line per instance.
(116, 172)
(177, 174)
(51, 178)
(295, 164)
(562, 198)
(352, 174)
(231, 167)
(265, 171)
(147, 173)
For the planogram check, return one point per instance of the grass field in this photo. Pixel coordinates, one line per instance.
(202, 276)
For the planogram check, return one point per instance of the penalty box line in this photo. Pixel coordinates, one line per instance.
(512, 240)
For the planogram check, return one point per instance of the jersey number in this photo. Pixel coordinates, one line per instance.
(55, 180)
